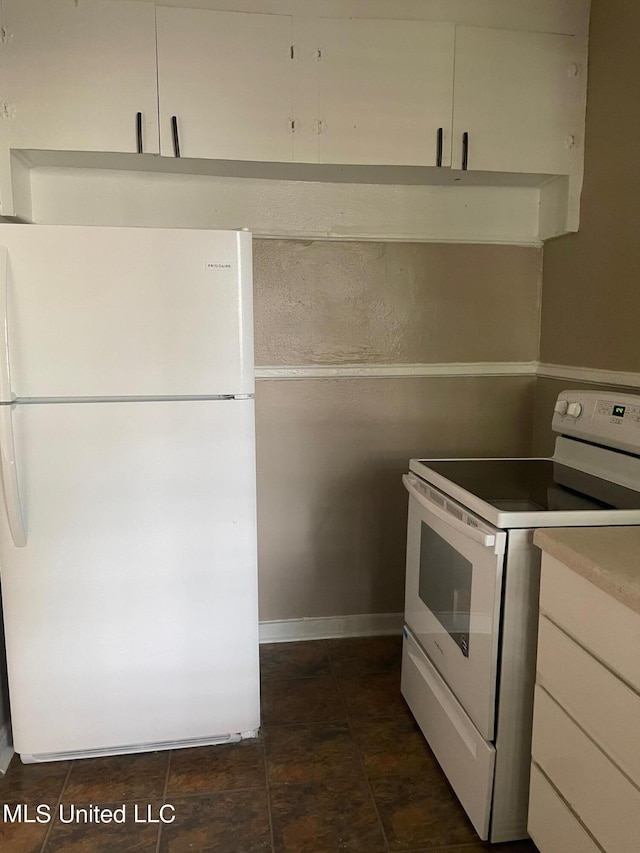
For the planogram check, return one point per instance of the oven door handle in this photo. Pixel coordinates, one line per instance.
(489, 540)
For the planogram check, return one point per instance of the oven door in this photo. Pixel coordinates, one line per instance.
(452, 599)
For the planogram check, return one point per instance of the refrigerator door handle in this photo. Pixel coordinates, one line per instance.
(6, 395)
(10, 478)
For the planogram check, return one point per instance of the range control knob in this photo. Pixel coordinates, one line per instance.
(561, 407)
(574, 410)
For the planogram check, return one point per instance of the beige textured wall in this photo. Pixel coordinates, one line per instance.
(331, 452)
(331, 504)
(591, 280)
(349, 302)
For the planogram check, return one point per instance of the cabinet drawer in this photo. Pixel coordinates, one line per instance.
(595, 619)
(466, 758)
(603, 798)
(604, 706)
(551, 825)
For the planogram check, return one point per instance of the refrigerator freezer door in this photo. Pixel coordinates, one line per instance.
(131, 614)
(128, 312)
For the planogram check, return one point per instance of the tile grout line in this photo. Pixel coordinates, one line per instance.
(270, 678)
(266, 766)
(355, 742)
(268, 787)
(164, 797)
(45, 841)
(442, 848)
(311, 722)
(328, 722)
(194, 795)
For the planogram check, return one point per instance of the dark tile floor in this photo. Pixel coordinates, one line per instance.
(340, 766)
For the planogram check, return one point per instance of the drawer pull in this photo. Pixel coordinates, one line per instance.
(176, 138)
(465, 151)
(439, 147)
(139, 132)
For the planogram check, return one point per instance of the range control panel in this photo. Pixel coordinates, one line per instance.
(603, 417)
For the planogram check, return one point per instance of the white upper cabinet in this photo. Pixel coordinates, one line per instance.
(225, 84)
(517, 96)
(78, 75)
(385, 91)
(125, 76)
(305, 83)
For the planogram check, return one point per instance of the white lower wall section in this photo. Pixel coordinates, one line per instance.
(325, 627)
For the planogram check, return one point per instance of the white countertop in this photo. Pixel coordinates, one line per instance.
(609, 557)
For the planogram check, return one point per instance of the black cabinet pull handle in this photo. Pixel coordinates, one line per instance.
(139, 132)
(465, 150)
(176, 138)
(439, 148)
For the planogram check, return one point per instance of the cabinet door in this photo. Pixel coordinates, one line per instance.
(79, 73)
(385, 88)
(227, 79)
(518, 97)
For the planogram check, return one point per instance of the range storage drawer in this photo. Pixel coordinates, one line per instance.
(551, 824)
(604, 799)
(466, 758)
(603, 705)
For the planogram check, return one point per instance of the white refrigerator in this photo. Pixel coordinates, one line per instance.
(128, 522)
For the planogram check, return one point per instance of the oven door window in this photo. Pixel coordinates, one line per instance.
(444, 585)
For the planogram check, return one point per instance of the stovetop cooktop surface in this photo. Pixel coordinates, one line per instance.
(532, 485)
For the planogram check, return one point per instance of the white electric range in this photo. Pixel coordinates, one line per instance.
(472, 583)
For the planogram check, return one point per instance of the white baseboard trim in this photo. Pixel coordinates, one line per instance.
(327, 627)
(398, 371)
(589, 374)
(6, 749)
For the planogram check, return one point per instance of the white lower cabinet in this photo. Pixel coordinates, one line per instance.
(557, 828)
(585, 775)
